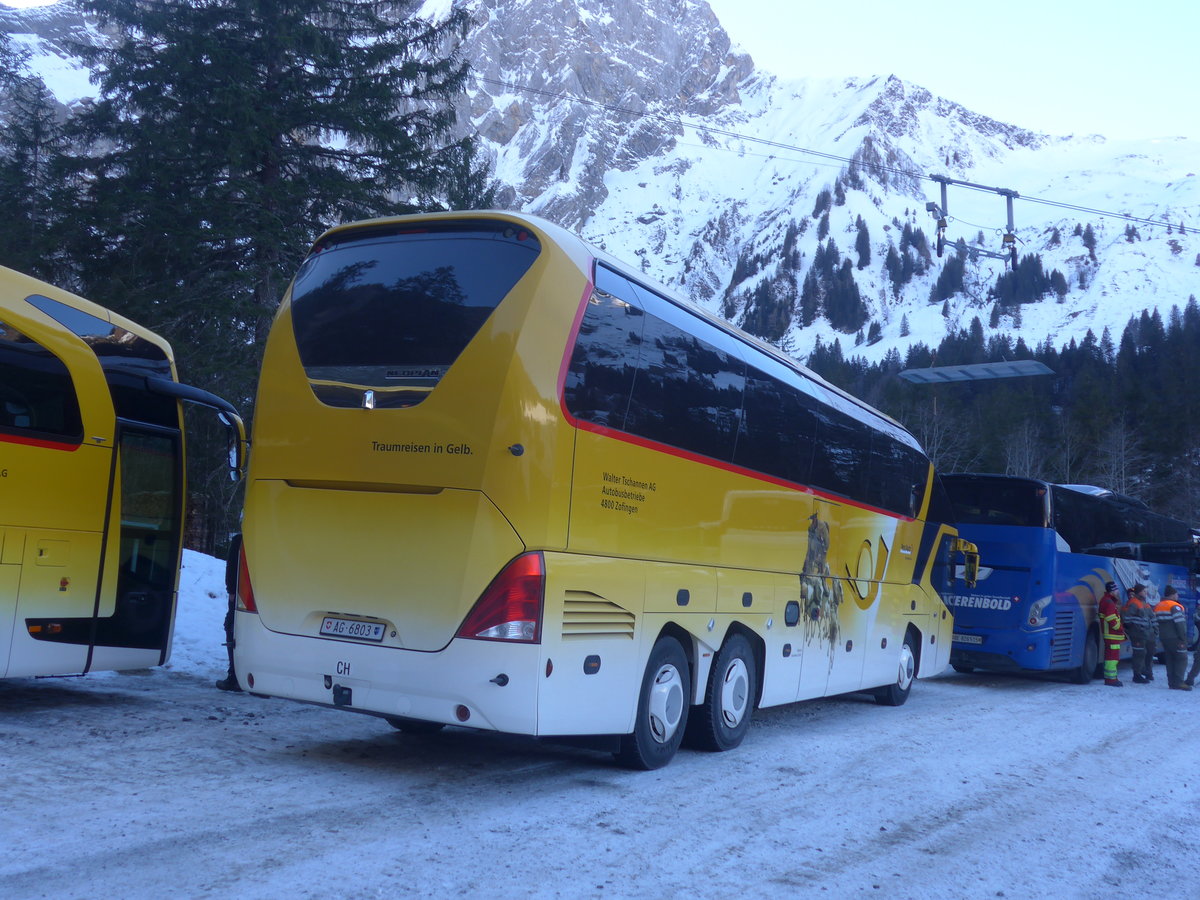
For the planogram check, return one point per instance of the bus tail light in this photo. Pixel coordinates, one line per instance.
(511, 607)
(245, 593)
(1037, 610)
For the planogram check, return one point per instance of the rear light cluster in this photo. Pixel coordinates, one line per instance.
(511, 607)
(245, 593)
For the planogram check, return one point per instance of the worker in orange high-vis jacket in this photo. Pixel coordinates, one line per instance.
(1172, 631)
(1141, 627)
(1112, 634)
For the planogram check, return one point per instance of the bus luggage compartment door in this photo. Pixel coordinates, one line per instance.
(56, 597)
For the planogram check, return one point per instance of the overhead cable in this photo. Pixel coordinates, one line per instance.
(793, 148)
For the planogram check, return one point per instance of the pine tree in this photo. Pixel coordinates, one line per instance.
(230, 133)
(35, 191)
(950, 279)
(14, 64)
(1058, 283)
(893, 266)
(810, 298)
(862, 243)
(1089, 241)
(823, 226)
(822, 204)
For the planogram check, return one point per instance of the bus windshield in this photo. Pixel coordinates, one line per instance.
(997, 501)
(389, 311)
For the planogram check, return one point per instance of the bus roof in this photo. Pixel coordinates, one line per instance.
(16, 287)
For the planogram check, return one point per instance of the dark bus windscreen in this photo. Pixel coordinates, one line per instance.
(997, 501)
(389, 311)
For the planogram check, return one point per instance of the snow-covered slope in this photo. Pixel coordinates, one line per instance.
(688, 160)
(637, 123)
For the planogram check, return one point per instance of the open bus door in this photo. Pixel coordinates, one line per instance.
(92, 484)
(56, 446)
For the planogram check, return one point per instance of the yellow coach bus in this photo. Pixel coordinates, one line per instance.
(91, 484)
(502, 481)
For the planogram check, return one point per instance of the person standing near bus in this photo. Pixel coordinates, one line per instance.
(1172, 629)
(1111, 632)
(1195, 670)
(1141, 626)
(230, 682)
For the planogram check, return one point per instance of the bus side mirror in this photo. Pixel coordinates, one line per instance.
(970, 560)
(239, 446)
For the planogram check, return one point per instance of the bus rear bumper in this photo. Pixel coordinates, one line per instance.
(487, 684)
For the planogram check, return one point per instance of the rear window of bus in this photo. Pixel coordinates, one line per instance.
(388, 310)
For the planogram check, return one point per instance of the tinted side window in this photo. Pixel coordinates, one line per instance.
(37, 396)
(841, 454)
(600, 377)
(648, 367)
(778, 430)
(391, 310)
(687, 392)
(897, 475)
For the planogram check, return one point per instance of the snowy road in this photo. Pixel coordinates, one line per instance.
(156, 785)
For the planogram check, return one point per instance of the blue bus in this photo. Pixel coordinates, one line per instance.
(1046, 551)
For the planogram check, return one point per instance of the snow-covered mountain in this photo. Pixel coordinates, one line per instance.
(638, 124)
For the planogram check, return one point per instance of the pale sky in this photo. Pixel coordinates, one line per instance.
(1121, 69)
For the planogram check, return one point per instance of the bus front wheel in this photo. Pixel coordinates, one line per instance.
(896, 693)
(721, 722)
(1091, 658)
(662, 709)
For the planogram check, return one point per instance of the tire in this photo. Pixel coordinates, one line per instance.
(721, 722)
(896, 694)
(662, 709)
(414, 726)
(1086, 670)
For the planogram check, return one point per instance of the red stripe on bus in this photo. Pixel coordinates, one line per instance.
(39, 442)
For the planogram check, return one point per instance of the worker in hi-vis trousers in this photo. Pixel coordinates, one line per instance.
(1172, 628)
(1112, 633)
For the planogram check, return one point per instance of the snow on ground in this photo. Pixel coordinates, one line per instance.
(198, 647)
(153, 784)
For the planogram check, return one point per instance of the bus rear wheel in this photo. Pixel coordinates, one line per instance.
(721, 722)
(896, 693)
(662, 709)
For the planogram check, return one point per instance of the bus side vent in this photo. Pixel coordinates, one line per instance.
(587, 615)
(1064, 630)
